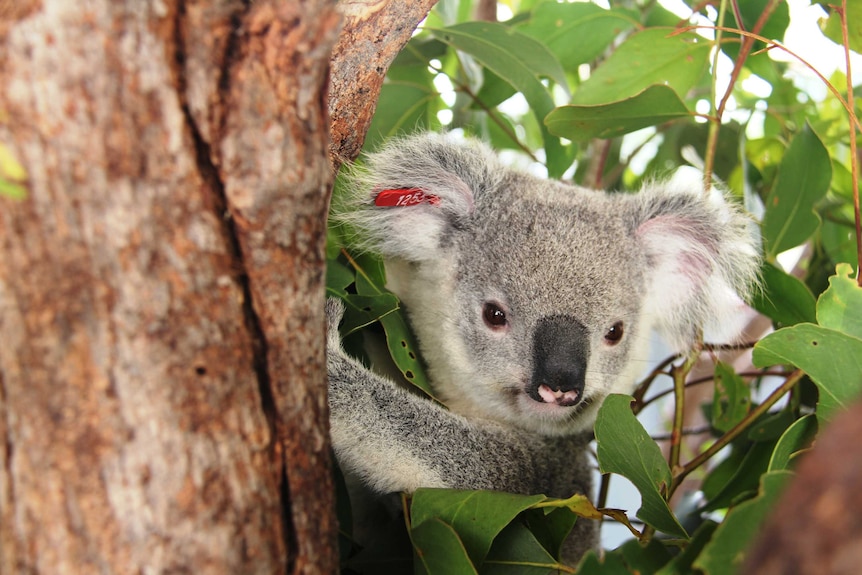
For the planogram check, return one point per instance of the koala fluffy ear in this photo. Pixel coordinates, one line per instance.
(702, 260)
(414, 191)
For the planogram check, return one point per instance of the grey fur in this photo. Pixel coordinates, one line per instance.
(558, 260)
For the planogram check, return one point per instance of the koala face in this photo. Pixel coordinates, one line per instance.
(524, 329)
(533, 300)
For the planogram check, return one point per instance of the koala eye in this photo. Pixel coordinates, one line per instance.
(614, 333)
(494, 316)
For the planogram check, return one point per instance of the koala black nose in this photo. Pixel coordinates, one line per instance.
(560, 351)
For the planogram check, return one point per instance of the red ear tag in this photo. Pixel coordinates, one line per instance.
(404, 197)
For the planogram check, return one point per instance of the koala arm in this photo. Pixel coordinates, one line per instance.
(397, 441)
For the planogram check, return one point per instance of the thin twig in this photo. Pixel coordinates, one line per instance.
(681, 473)
(744, 51)
(463, 87)
(772, 44)
(709, 378)
(690, 431)
(854, 158)
(680, 373)
(714, 125)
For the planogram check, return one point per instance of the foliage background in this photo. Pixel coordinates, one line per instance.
(607, 96)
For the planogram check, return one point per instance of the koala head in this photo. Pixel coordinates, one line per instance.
(532, 300)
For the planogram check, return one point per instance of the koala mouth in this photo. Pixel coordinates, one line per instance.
(562, 398)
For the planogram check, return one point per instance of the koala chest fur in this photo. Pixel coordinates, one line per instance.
(531, 301)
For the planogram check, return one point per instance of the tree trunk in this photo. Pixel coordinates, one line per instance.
(162, 400)
(162, 393)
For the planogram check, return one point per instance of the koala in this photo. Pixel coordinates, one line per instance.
(531, 301)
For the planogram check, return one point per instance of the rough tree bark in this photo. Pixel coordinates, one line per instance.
(162, 400)
(160, 374)
(373, 34)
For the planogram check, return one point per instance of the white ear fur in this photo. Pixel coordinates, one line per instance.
(702, 260)
(450, 171)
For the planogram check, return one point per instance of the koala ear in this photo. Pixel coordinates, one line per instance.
(414, 191)
(702, 259)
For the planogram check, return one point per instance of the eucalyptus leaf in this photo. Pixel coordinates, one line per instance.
(724, 553)
(401, 108)
(338, 277)
(643, 559)
(681, 563)
(784, 299)
(404, 350)
(656, 56)
(731, 398)
(840, 306)
(744, 480)
(521, 61)
(373, 303)
(517, 551)
(370, 274)
(831, 358)
(654, 105)
(610, 564)
(550, 527)
(439, 551)
(803, 179)
(477, 516)
(624, 447)
(363, 310)
(831, 26)
(577, 33)
(797, 438)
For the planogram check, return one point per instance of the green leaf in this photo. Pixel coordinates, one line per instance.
(519, 60)
(362, 310)
(724, 471)
(797, 438)
(832, 359)
(681, 564)
(404, 351)
(655, 105)
(726, 550)
(731, 398)
(401, 108)
(643, 559)
(577, 33)
(373, 303)
(744, 480)
(831, 26)
(771, 426)
(803, 180)
(784, 299)
(439, 551)
(655, 56)
(516, 550)
(840, 306)
(477, 516)
(550, 527)
(370, 274)
(751, 11)
(338, 278)
(624, 447)
(610, 564)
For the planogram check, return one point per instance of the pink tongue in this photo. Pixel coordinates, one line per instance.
(566, 398)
